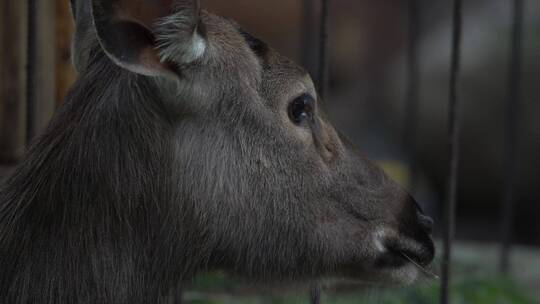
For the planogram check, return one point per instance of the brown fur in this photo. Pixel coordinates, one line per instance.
(141, 182)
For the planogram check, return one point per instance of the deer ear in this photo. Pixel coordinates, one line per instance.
(133, 33)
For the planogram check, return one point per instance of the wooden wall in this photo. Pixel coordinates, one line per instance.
(45, 63)
(65, 73)
(12, 78)
(53, 75)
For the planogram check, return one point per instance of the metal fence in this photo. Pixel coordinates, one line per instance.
(454, 122)
(412, 97)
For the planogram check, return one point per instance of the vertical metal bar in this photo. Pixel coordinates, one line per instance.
(454, 131)
(308, 23)
(315, 293)
(413, 91)
(323, 49)
(179, 297)
(30, 71)
(512, 108)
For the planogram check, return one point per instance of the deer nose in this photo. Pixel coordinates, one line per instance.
(425, 222)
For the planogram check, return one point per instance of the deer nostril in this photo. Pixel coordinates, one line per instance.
(426, 222)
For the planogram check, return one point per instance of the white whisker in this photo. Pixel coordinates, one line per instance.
(423, 269)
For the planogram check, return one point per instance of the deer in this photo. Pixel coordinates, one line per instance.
(188, 145)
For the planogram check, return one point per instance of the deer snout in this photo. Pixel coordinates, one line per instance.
(419, 229)
(426, 223)
(419, 251)
(399, 250)
(411, 243)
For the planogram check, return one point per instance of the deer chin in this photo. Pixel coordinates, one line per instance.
(394, 269)
(395, 260)
(397, 275)
(405, 274)
(400, 272)
(402, 259)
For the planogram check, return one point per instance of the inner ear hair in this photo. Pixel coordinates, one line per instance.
(148, 36)
(179, 38)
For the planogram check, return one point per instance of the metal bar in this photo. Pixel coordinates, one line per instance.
(410, 122)
(315, 292)
(30, 71)
(454, 131)
(308, 23)
(511, 134)
(179, 296)
(323, 49)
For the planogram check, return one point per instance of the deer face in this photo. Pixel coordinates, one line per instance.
(268, 186)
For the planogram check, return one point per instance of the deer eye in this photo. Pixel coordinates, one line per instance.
(301, 108)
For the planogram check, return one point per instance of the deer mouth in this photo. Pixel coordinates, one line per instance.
(398, 260)
(401, 258)
(404, 253)
(397, 256)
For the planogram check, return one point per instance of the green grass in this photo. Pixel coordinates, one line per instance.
(465, 291)
(218, 289)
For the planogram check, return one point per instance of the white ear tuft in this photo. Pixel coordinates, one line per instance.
(199, 46)
(179, 39)
(149, 36)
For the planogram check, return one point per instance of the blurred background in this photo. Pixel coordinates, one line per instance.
(368, 43)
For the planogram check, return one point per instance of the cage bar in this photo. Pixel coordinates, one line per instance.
(454, 130)
(410, 121)
(308, 24)
(315, 292)
(323, 49)
(31, 70)
(511, 134)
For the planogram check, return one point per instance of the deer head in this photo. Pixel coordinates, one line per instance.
(203, 148)
(276, 190)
